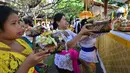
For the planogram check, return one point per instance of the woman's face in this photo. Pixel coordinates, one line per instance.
(12, 28)
(63, 23)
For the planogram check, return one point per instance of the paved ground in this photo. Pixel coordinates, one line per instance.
(52, 69)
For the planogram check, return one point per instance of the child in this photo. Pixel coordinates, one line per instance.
(15, 54)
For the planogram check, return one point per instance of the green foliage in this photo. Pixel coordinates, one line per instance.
(69, 7)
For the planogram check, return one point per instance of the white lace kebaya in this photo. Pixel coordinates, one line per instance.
(64, 61)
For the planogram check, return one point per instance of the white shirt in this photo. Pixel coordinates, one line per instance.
(88, 56)
(64, 61)
(90, 40)
(76, 26)
(72, 35)
(87, 43)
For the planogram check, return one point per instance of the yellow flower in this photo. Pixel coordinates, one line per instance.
(6, 62)
(4, 68)
(31, 70)
(13, 64)
(20, 62)
(4, 55)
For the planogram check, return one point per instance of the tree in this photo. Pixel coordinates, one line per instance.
(36, 7)
(69, 7)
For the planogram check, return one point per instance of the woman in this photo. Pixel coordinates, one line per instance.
(60, 24)
(88, 53)
(29, 25)
(15, 54)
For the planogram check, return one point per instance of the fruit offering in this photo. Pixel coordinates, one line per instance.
(100, 26)
(49, 39)
(35, 31)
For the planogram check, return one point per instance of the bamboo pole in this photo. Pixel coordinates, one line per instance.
(85, 4)
(105, 7)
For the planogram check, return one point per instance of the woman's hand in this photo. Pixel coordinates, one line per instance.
(78, 37)
(51, 48)
(32, 60)
(85, 31)
(35, 58)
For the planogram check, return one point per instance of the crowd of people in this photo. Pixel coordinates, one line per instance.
(17, 55)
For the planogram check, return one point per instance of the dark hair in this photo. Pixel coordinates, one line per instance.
(83, 22)
(56, 18)
(5, 11)
(71, 19)
(28, 20)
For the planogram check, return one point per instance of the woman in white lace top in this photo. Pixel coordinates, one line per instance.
(63, 63)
